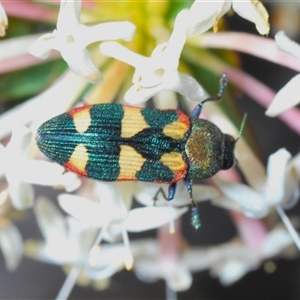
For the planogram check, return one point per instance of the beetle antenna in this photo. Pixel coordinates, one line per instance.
(223, 84)
(241, 127)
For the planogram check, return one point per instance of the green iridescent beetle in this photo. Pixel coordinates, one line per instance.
(113, 142)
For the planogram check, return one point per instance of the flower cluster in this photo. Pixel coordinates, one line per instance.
(90, 240)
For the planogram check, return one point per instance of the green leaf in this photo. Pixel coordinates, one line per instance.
(25, 83)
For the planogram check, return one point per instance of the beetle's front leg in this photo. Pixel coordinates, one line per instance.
(171, 192)
(195, 215)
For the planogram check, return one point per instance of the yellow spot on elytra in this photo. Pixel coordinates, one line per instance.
(82, 120)
(176, 130)
(174, 161)
(132, 122)
(130, 163)
(79, 158)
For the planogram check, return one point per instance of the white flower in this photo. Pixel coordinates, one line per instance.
(11, 243)
(71, 38)
(150, 266)
(231, 261)
(20, 171)
(3, 21)
(66, 241)
(48, 104)
(205, 14)
(279, 187)
(110, 211)
(288, 96)
(158, 72)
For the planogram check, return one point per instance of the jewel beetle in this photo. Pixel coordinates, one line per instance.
(114, 142)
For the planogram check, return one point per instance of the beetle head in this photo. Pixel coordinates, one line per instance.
(229, 159)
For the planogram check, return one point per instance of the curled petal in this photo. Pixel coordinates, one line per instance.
(203, 15)
(286, 98)
(43, 46)
(251, 202)
(253, 11)
(185, 85)
(81, 63)
(11, 244)
(146, 218)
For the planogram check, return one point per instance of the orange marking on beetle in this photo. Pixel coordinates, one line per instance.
(130, 162)
(78, 160)
(132, 122)
(81, 118)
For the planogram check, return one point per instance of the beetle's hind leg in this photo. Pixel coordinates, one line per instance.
(195, 215)
(223, 83)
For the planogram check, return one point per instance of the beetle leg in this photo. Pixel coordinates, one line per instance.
(197, 110)
(171, 192)
(195, 215)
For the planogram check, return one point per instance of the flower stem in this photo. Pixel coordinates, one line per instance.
(69, 283)
(170, 294)
(289, 226)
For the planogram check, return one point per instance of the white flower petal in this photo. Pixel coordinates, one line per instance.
(232, 271)
(50, 221)
(251, 202)
(3, 160)
(138, 94)
(179, 279)
(253, 11)
(43, 46)
(203, 15)
(110, 261)
(104, 31)
(286, 98)
(146, 218)
(19, 144)
(48, 174)
(176, 42)
(69, 15)
(287, 45)
(118, 51)
(84, 210)
(276, 177)
(20, 193)
(81, 63)
(276, 241)
(184, 85)
(11, 244)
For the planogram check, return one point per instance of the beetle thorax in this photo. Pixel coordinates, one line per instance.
(205, 149)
